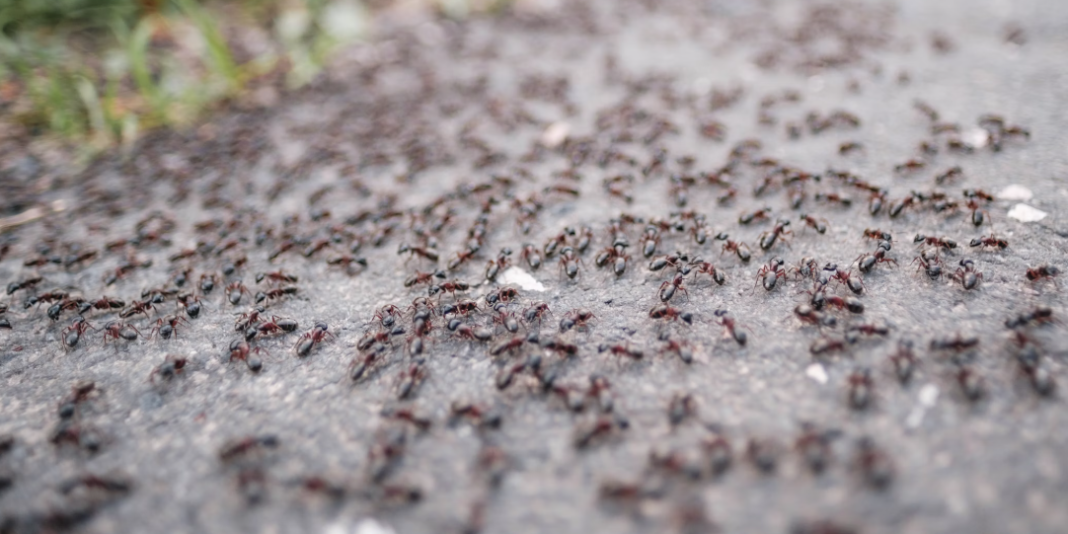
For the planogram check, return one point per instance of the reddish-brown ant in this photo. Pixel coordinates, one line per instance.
(990, 241)
(234, 291)
(904, 361)
(616, 255)
(971, 383)
(758, 215)
(79, 393)
(967, 275)
(680, 408)
(427, 253)
(860, 389)
(171, 366)
(240, 350)
(142, 307)
(576, 318)
(167, 325)
(1042, 272)
(814, 446)
(275, 294)
(741, 249)
(770, 273)
(825, 345)
(664, 311)
(73, 333)
(768, 239)
(941, 242)
(536, 311)
(530, 255)
(874, 465)
(309, 339)
(244, 447)
(867, 262)
(820, 225)
(276, 277)
(410, 379)
(408, 415)
(957, 343)
(875, 233)
(621, 350)
(854, 284)
(910, 166)
(207, 282)
(930, 263)
(493, 267)
(448, 287)
(731, 327)
(600, 428)
(700, 266)
(461, 257)
(119, 330)
(275, 325)
(668, 288)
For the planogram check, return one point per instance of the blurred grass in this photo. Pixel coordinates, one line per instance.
(96, 73)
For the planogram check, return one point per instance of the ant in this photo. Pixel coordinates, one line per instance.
(504, 294)
(931, 265)
(173, 365)
(814, 446)
(770, 273)
(240, 350)
(971, 384)
(141, 306)
(463, 307)
(103, 303)
(849, 147)
(536, 311)
(680, 348)
(1042, 272)
(729, 323)
(79, 393)
(309, 339)
(481, 416)
(247, 446)
(911, 165)
(576, 318)
(680, 408)
(276, 293)
(990, 241)
(448, 287)
(834, 198)
(361, 364)
(531, 256)
(904, 361)
(207, 282)
(820, 225)
(74, 332)
(826, 345)
(854, 284)
(119, 330)
(650, 240)
(700, 266)
(276, 277)
(941, 242)
(408, 415)
(667, 289)
(867, 262)
(617, 256)
(427, 253)
(569, 262)
(234, 291)
(410, 379)
(599, 428)
(1039, 315)
(275, 325)
(47, 298)
(966, 275)
(554, 242)
(875, 466)
(953, 173)
(167, 325)
(750, 217)
(664, 311)
(27, 283)
(860, 389)
(808, 314)
(741, 249)
(493, 267)
(956, 343)
(820, 299)
(763, 454)
(479, 334)
(768, 239)
(877, 234)
(622, 350)
(461, 257)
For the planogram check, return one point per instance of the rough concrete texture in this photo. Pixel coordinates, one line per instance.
(436, 109)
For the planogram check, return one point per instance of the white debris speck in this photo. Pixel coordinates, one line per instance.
(1025, 213)
(555, 134)
(976, 137)
(521, 278)
(929, 395)
(817, 373)
(1016, 192)
(365, 526)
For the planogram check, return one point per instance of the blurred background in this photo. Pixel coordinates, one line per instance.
(93, 74)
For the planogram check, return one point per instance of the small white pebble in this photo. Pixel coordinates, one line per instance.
(929, 395)
(1015, 192)
(1025, 213)
(975, 138)
(521, 278)
(817, 373)
(555, 134)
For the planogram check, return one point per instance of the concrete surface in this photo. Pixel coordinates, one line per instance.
(400, 122)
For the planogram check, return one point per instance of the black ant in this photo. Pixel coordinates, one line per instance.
(275, 325)
(867, 262)
(234, 291)
(941, 242)
(617, 256)
(904, 361)
(423, 278)
(569, 262)
(622, 350)
(699, 266)
(448, 287)
(276, 277)
(1042, 272)
(493, 267)
(23, 284)
(931, 264)
(860, 389)
(461, 257)
(668, 288)
(240, 350)
(535, 312)
(275, 294)
(874, 465)
(73, 333)
(664, 311)
(79, 393)
(750, 217)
